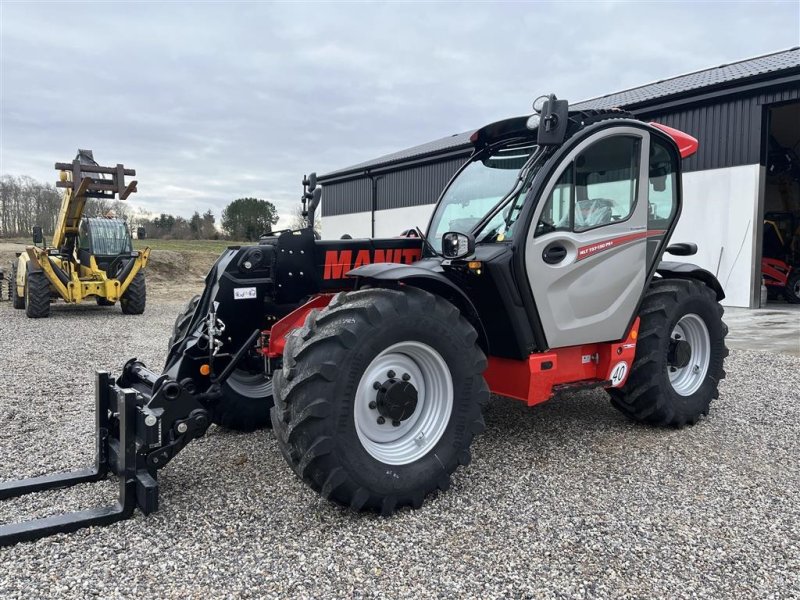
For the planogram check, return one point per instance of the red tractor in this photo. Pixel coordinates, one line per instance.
(541, 271)
(781, 277)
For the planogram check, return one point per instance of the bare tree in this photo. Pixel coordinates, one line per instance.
(298, 221)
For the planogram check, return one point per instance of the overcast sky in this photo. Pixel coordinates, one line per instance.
(210, 102)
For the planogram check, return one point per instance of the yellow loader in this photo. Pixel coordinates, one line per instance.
(87, 257)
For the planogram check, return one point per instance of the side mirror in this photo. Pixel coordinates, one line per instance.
(682, 249)
(552, 126)
(457, 245)
(38, 236)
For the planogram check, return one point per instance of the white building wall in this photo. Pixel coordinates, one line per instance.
(720, 215)
(394, 221)
(357, 225)
(388, 223)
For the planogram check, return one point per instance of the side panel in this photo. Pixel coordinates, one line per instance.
(591, 295)
(543, 374)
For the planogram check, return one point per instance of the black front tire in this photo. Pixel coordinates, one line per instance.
(648, 395)
(37, 295)
(315, 396)
(135, 297)
(792, 290)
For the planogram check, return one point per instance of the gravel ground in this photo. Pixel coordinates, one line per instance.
(567, 499)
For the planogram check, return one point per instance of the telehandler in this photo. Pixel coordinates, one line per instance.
(540, 272)
(87, 257)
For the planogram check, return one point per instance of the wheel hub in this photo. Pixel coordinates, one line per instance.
(688, 354)
(396, 400)
(680, 353)
(403, 403)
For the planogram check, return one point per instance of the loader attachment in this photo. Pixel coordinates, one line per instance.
(124, 406)
(141, 422)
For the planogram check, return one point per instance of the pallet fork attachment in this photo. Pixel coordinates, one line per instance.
(116, 454)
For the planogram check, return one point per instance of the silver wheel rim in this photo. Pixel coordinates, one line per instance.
(687, 380)
(796, 288)
(251, 385)
(419, 433)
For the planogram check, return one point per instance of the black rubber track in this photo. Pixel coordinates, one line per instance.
(16, 300)
(314, 392)
(135, 297)
(648, 396)
(788, 291)
(37, 295)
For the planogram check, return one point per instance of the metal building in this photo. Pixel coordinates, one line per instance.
(746, 116)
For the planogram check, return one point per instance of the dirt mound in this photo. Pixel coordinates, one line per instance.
(169, 271)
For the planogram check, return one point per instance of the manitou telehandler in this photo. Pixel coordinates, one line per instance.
(87, 257)
(540, 272)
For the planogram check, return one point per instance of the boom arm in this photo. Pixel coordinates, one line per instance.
(83, 178)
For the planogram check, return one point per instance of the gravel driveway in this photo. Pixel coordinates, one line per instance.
(567, 499)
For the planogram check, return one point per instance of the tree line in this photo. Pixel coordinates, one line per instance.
(25, 202)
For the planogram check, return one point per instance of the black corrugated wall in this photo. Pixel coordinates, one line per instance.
(729, 131)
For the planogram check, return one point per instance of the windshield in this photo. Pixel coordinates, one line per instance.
(478, 189)
(110, 237)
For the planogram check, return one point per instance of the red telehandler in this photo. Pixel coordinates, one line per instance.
(541, 271)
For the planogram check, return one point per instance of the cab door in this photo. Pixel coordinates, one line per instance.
(585, 255)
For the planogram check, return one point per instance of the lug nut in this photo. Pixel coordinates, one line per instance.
(381, 420)
(373, 405)
(396, 423)
(376, 385)
(406, 376)
(390, 374)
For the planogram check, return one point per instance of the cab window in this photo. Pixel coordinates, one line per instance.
(661, 193)
(598, 188)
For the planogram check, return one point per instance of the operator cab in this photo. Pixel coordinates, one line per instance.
(108, 240)
(560, 217)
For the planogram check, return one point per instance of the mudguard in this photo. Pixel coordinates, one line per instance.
(427, 275)
(679, 270)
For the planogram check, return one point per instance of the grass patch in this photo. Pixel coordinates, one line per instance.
(203, 246)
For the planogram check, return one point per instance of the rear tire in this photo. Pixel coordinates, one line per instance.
(17, 301)
(182, 321)
(135, 297)
(792, 290)
(680, 321)
(245, 403)
(324, 407)
(103, 301)
(37, 295)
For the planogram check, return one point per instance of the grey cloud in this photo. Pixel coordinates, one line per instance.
(215, 101)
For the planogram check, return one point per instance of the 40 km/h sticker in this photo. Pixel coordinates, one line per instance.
(618, 373)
